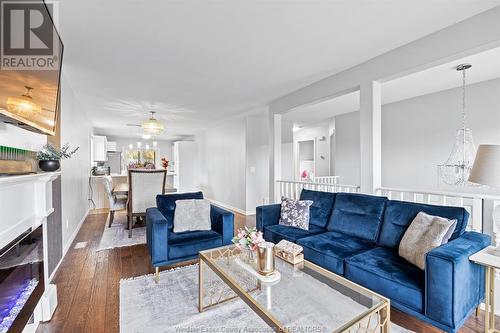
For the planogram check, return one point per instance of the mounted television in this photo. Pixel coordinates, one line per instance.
(30, 66)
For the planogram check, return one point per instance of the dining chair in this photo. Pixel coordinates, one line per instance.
(116, 202)
(143, 187)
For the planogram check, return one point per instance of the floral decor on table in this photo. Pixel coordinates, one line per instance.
(248, 238)
(164, 163)
(49, 157)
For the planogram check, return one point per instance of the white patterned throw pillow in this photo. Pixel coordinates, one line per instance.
(295, 213)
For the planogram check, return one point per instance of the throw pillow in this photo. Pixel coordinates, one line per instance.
(425, 233)
(295, 213)
(450, 231)
(192, 215)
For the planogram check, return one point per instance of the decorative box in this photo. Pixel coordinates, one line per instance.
(289, 251)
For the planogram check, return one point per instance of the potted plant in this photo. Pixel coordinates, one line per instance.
(49, 157)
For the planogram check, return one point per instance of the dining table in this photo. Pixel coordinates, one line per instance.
(122, 189)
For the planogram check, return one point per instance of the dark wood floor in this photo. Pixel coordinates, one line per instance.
(88, 285)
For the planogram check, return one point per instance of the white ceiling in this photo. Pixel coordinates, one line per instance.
(197, 62)
(485, 66)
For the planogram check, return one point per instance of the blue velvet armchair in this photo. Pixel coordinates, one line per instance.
(167, 247)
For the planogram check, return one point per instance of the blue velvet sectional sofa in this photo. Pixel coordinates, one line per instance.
(357, 236)
(167, 247)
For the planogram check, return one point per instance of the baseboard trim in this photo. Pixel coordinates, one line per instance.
(226, 206)
(69, 243)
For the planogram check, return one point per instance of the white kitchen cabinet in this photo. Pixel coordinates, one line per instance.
(111, 146)
(100, 148)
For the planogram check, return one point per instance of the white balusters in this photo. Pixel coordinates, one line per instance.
(291, 189)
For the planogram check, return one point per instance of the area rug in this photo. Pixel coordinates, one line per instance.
(172, 306)
(117, 235)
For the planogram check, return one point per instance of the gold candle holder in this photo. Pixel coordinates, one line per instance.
(265, 258)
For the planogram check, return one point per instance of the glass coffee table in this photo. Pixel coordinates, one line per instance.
(307, 298)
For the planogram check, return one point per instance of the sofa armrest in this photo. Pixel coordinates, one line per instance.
(222, 223)
(156, 235)
(267, 215)
(453, 284)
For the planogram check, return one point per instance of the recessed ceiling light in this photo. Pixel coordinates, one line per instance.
(146, 136)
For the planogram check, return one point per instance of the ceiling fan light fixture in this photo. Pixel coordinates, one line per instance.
(152, 126)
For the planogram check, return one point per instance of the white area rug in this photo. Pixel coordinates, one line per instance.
(117, 235)
(172, 306)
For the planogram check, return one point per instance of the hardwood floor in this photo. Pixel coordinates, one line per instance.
(88, 285)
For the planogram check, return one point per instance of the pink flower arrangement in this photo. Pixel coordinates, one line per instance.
(248, 238)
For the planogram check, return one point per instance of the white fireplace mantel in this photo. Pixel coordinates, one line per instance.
(25, 202)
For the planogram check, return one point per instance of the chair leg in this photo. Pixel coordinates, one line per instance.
(157, 275)
(111, 217)
(130, 224)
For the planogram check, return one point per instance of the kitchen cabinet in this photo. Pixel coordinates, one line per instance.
(100, 148)
(111, 146)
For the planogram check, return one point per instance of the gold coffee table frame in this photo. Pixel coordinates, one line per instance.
(379, 312)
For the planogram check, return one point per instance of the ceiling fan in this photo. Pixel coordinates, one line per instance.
(150, 127)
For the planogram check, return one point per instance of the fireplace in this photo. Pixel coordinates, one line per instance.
(21, 279)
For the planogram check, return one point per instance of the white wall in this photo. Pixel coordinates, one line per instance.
(418, 134)
(12, 136)
(76, 130)
(257, 161)
(222, 163)
(287, 168)
(347, 159)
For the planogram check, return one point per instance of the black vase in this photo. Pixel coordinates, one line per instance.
(50, 165)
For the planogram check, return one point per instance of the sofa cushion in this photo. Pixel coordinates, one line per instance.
(166, 204)
(329, 249)
(275, 233)
(322, 206)
(383, 271)
(189, 243)
(399, 214)
(357, 215)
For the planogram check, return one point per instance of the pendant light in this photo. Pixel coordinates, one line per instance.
(24, 104)
(152, 126)
(456, 169)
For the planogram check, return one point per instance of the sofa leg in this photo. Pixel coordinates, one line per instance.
(477, 311)
(157, 275)
(130, 226)
(111, 217)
